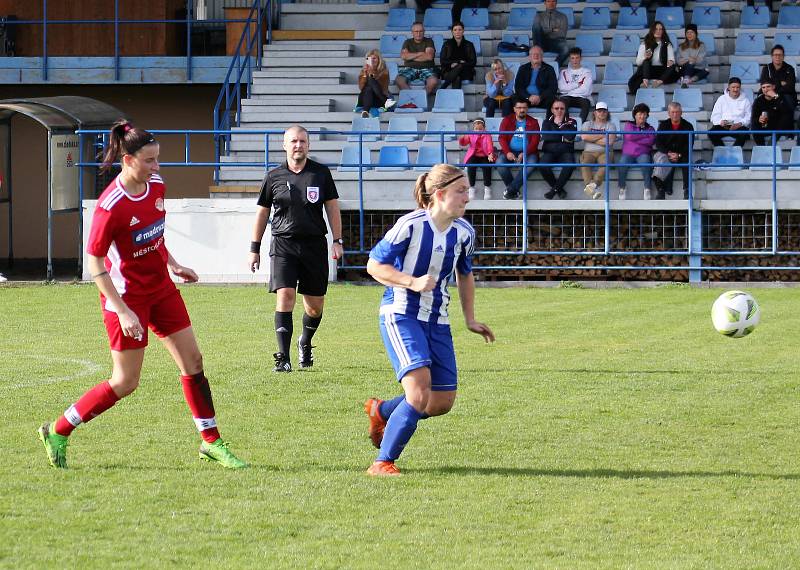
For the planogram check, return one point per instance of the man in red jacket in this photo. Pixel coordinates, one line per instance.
(521, 141)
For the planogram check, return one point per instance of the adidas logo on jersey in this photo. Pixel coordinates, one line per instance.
(134, 221)
(439, 248)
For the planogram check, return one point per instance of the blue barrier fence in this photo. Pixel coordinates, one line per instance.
(693, 251)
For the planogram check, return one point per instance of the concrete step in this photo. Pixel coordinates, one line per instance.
(304, 75)
(300, 47)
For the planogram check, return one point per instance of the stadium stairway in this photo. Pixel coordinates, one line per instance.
(313, 82)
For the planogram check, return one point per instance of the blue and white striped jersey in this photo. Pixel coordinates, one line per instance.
(416, 247)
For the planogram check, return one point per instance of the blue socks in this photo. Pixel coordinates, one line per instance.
(387, 407)
(401, 426)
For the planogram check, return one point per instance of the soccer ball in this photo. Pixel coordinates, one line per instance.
(735, 314)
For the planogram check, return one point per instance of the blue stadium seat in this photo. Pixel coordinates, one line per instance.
(596, 18)
(350, 160)
(790, 42)
(707, 17)
(428, 155)
(416, 96)
(653, 97)
(436, 125)
(632, 18)
(442, 4)
(392, 66)
(789, 17)
(624, 45)
(365, 124)
(691, 99)
(493, 124)
(615, 97)
(476, 41)
(708, 39)
(449, 101)
(747, 71)
(521, 19)
(393, 158)
(591, 66)
(591, 44)
(400, 19)
(475, 18)
(570, 14)
(794, 158)
(391, 45)
(750, 43)
(402, 123)
(438, 42)
(437, 19)
(527, 1)
(764, 155)
(617, 72)
(367, 2)
(671, 16)
(522, 39)
(727, 158)
(755, 17)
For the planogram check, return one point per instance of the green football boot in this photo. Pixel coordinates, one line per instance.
(55, 445)
(219, 452)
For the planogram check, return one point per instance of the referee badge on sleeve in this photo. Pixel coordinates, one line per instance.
(312, 194)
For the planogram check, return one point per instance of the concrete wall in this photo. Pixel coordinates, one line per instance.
(151, 107)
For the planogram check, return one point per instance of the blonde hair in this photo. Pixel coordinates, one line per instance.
(381, 64)
(439, 177)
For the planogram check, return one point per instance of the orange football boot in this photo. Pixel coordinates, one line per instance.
(376, 423)
(383, 469)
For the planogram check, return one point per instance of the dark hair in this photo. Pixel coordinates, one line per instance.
(777, 46)
(457, 23)
(691, 45)
(124, 139)
(576, 50)
(650, 39)
(640, 108)
(518, 99)
(734, 79)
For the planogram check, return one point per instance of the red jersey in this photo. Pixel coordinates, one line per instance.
(129, 232)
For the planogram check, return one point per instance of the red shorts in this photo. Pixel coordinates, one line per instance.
(165, 316)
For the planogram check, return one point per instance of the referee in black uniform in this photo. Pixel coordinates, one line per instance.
(297, 191)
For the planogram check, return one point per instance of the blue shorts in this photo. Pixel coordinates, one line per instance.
(413, 344)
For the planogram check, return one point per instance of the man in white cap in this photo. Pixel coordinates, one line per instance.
(596, 137)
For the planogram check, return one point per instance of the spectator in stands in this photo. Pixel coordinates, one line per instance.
(575, 83)
(458, 58)
(418, 53)
(526, 131)
(558, 146)
(550, 31)
(373, 83)
(596, 140)
(480, 151)
(499, 89)
(655, 60)
(783, 76)
(637, 144)
(536, 80)
(692, 58)
(459, 5)
(731, 113)
(671, 148)
(771, 112)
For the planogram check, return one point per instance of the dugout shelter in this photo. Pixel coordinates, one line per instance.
(61, 116)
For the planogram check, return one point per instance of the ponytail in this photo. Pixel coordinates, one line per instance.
(439, 177)
(124, 139)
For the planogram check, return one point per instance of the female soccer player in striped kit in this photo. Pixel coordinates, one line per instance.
(128, 261)
(415, 260)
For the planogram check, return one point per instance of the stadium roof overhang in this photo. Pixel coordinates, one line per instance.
(61, 116)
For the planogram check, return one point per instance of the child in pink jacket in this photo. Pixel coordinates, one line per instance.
(480, 151)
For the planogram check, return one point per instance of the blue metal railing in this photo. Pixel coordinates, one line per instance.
(116, 22)
(693, 251)
(240, 67)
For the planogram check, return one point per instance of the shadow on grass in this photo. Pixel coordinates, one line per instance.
(597, 473)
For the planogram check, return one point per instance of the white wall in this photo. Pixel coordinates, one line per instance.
(212, 237)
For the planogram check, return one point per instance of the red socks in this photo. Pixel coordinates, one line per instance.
(198, 395)
(91, 404)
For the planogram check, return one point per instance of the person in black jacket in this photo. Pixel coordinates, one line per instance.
(558, 147)
(783, 76)
(771, 112)
(458, 59)
(671, 148)
(541, 90)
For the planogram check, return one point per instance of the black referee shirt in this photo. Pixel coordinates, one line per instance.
(298, 199)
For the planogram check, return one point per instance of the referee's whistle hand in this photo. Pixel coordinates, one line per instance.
(337, 251)
(255, 261)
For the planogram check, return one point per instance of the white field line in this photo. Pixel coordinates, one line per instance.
(88, 368)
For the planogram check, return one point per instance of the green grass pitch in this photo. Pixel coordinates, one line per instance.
(605, 429)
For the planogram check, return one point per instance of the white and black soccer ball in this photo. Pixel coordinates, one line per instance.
(735, 314)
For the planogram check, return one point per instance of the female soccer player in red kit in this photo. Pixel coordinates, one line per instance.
(129, 263)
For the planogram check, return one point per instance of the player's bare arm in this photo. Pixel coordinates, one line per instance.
(388, 275)
(129, 322)
(466, 294)
(262, 217)
(334, 215)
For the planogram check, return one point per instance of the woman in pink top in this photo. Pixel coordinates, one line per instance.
(637, 145)
(480, 151)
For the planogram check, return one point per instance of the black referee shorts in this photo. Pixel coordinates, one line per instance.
(300, 263)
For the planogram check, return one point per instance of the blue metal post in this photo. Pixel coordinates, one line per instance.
(774, 195)
(524, 167)
(607, 204)
(116, 40)
(189, 16)
(44, 40)
(695, 219)
(361, 221)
